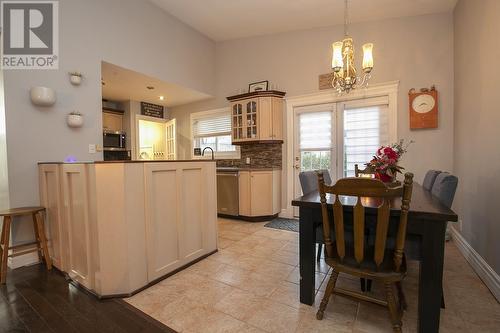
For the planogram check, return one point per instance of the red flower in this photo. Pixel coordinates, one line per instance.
(390, 153)
(383, 177)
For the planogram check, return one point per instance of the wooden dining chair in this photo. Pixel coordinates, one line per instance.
(355, 255)
(363, 172)
(366, 285)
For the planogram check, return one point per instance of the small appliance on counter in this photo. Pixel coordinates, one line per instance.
(115, 146)
(114, 140)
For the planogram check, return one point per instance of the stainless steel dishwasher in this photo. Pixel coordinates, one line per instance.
(227, 191)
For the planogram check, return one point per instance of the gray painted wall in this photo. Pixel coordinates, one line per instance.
(129, 33)
(417, 51)
(477, 117)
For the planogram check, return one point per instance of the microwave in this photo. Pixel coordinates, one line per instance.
(114, 140)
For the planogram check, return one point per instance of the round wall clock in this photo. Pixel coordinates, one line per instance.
(423, 108)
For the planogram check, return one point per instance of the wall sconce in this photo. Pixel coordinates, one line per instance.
(43, 96)
(75, 78)
(74, 119)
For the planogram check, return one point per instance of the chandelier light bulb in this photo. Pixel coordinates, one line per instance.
(367, 57)
(337, 62)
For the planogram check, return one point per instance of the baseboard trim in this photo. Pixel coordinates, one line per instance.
(23, 260)
(490, 278)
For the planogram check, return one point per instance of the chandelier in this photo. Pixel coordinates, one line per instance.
(344, 72)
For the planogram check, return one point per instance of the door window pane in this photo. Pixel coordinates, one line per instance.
(315, 160)
(365, 130)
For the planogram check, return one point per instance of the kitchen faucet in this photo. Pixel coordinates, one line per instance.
(203, 152)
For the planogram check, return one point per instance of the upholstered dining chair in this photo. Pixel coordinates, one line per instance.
(429, 179)
(444, 188)
(309, 183)
(370, 259)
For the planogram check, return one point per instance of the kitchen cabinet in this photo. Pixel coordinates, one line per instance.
(257, 117)
(116, 227)
(112, 121)
(50, 197)
(175, 232)
(259, 193)
(76, 216)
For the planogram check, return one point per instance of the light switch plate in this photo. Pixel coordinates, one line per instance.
(92, 149)
(247, 160)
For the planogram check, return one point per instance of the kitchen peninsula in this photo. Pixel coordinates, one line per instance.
(116, 227)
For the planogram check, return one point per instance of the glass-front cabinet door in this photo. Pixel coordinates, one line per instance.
(237, 119)
(251, 119)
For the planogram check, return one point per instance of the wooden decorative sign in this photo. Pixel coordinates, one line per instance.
(423, 108)
(151, 110)
(325, 81)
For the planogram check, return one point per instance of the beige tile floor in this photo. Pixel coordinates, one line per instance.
(251, 285)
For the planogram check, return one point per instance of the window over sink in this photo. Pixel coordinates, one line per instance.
(213, 129)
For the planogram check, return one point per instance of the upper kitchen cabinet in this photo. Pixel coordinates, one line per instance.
(112, 120)
(257, 117)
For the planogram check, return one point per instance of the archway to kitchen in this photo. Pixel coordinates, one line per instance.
(135, 114)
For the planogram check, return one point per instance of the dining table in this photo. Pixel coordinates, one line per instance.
(426, 228)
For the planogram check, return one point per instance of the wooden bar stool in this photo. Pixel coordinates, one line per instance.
(40, 239)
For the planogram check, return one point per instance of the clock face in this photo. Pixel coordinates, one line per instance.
(423, 103)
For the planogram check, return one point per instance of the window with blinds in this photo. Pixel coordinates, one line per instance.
(365, 130)
(213, 130)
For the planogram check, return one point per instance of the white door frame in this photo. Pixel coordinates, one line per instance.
(389, 89)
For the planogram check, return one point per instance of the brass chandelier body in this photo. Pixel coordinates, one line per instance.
(344, 72)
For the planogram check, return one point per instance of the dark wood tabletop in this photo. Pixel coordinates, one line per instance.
(423, 204)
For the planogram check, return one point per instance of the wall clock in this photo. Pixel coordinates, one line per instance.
(423, 108)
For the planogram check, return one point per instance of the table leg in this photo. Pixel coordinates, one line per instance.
(431, 275)
(307, 244)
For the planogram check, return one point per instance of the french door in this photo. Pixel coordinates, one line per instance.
(336, 136)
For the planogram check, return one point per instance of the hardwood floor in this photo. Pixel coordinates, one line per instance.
(34, 300)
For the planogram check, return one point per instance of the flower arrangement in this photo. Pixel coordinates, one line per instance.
(385, 162)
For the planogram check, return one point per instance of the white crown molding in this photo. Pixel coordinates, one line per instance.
(490, 278)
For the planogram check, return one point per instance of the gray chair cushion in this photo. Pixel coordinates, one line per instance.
(309, 183)
(309, 180)
(429, 179)
(444, 188)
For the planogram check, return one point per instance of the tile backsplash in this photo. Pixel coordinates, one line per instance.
(262, 155)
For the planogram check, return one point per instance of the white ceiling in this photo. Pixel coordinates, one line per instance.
(230, 19)
(122, 84)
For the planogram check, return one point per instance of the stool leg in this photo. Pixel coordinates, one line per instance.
(5, 253)
(37, 238)
(1, 242)
(43, 240)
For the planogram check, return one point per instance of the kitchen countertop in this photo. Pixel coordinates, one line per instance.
(127, 161)
(235, 169)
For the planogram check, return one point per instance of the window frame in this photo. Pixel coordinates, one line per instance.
(217, 155)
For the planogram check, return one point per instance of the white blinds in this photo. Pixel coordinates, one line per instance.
(315, 130)
(365, 130)
(214, 125)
